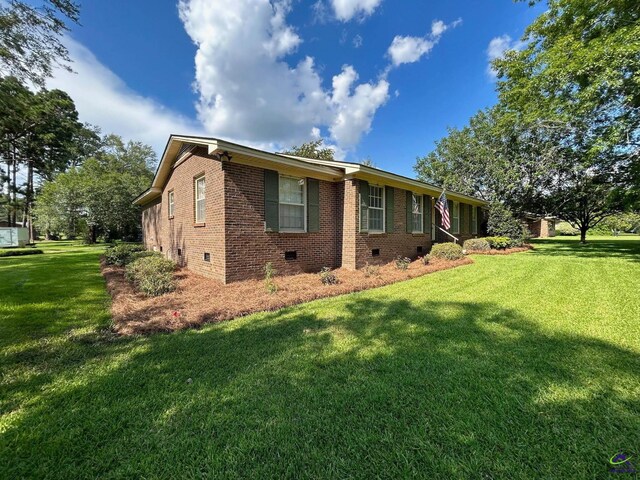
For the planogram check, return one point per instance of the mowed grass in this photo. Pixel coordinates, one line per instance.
(517, 367)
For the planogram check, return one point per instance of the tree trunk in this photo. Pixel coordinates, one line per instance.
(29, 200)
(14, 191)
(583, 234)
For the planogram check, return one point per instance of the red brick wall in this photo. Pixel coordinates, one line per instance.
(391, 244)
(152, 225)
(181, 232)
(234, 233)
(249, 247)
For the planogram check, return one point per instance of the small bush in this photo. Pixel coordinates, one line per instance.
(499, 243)
(146, 253)
(476, 245)
(327, 277)
(447, 251)
(371, 270)
(269, 273)
(426, 259)
(121, 254)
(563, 228)
(18, 252)
(402, 263)
(152, 275)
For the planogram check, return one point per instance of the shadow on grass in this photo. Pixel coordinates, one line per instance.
(356, 387)
(625, 249)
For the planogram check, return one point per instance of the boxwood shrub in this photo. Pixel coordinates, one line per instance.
(476, 245)
(499, 243)
(152, 275)
(447, 251)
(122, 253)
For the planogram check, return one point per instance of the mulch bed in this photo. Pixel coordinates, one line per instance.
(199, 300)
(507, 251)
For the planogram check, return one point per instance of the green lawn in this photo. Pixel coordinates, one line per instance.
(516, 367)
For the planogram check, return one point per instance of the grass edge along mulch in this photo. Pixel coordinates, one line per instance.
(200, 300)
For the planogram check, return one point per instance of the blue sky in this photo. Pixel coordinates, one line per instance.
(375, 78)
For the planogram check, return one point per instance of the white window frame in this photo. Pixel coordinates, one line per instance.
(474, 220)
(455, 218)
(196, 192)
(421, 213)
(383, 209)
(303, 204)
(171, 203)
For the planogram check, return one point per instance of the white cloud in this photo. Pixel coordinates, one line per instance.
(346, 10)
(103, 99)
(249, 92)
(407, 49)
(498, 46)
(357, 41)
(355, 110)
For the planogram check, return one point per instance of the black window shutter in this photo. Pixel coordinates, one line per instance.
(271, 201)
(313, 205)
(388, 197)
(426, 216)
(364, 205)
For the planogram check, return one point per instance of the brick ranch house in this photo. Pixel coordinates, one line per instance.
(224, 210)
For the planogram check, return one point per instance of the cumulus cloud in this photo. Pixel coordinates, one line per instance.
(407, 49)
(346, 10)
(249, 91)
(498, 46)
(103, 99)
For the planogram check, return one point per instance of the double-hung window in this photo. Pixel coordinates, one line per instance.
(292, 194)
(171, 202)
(455, 218)
(376, 209)
(474, 220)
(200, 199)
(417, 208)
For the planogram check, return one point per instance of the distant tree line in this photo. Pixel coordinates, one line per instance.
(57, 174)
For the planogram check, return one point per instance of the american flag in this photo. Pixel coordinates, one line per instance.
(443, 207)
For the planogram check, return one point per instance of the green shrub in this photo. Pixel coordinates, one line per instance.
(564, 229)
(18, 252)
(476, 245)
(121, 254)
(146, 253)
(402, 263)
(269, 273)
(152, 275)
(502, 223)
(327, 277)
(447, 251)
(426, 259)
(499, 243)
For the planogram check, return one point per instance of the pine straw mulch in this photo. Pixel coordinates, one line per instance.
(507, 251)
(199, 300)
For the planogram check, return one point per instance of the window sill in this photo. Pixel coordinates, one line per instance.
(297, 232)
(171, 217)
(199, 225)
(377, 233)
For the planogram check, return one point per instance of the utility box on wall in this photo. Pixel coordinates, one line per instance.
(13, 237)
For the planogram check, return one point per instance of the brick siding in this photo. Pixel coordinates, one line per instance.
(234, 231)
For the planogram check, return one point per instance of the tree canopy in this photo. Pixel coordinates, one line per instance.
(96, 197)
(313, 149)
(30, 37)
(564, 137)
